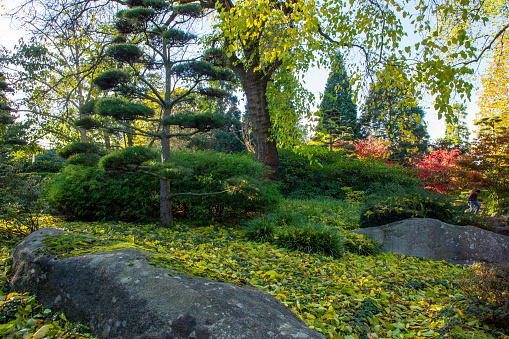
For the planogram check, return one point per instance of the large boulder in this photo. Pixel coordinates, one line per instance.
(433, 239)
(120, 295)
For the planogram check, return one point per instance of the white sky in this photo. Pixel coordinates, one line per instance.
(315, 80)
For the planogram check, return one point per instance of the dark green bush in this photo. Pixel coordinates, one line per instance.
(212, 171)
(312, 239)
(93, 194)
(124, 157)
(423, 205)
(47, 162)
(329, 172)
(261, 229)
(487, 290)
(84, 159)
(78, 148)
(89, 194)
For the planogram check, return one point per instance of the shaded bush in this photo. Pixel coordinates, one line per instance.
(78, 148)
(329, 172)
(88, 194)
(312, 239)
(124, 157)
(423, 205)
(212, 172)
(487, 289)
(47, 162)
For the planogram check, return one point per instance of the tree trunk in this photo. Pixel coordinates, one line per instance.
(83, 135)
(107, 141)
(129, 134)
(255, 87)
(164, 194)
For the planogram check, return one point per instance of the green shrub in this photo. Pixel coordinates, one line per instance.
(46, 162)
(84, 159)
(261, 229)
(78, 148)
(330, 172)
(330, 215)
(124, 157)
(359, 244)
(487, 290)
(212, 171)
(423, 205)
(312, 239)
(88, 194)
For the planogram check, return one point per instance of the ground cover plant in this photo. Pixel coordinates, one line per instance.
(382, 296)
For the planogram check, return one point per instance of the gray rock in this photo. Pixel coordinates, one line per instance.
(433, 239)
(120, 295)
(503, 230)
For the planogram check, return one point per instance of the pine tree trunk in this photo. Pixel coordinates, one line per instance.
(164, 194)
(255, 87)
(107, 141)
(129, 134)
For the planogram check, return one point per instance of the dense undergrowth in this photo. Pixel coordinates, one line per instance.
(382, 296)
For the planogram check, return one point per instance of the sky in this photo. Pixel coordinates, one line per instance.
(315, 80)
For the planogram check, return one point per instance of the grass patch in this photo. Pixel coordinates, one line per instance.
(313, 226)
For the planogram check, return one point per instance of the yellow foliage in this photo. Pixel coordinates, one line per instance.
(494, 98)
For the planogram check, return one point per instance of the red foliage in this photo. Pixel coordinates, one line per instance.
(436, 169)
(373, 148)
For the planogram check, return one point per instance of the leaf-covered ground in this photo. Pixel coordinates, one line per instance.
(383, 296)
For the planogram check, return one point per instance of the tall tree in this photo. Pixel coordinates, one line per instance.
(494, 96)
(391, 112)
(155, 34)
(488, 163)
(56, 66)
(337, 107)
(457, 132)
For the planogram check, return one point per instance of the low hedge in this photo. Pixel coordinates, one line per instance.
(327, 173)
(91, 194)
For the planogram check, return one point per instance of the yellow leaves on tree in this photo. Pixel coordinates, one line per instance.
(494, 98)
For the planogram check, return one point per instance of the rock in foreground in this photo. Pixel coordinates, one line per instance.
(433, 239)
(120, 295)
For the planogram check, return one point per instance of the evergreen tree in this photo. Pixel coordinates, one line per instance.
(457, 133)
(337, 107)
(391, 112)
(224, 139)
(11, 132)
(156, 67)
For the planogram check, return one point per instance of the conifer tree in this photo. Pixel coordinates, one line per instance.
(156, 67)
(391, 112)
(456, 131)
(337, 107)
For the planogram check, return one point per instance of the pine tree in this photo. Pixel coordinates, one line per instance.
(155, 67)
(337, 107)
(391, 112)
